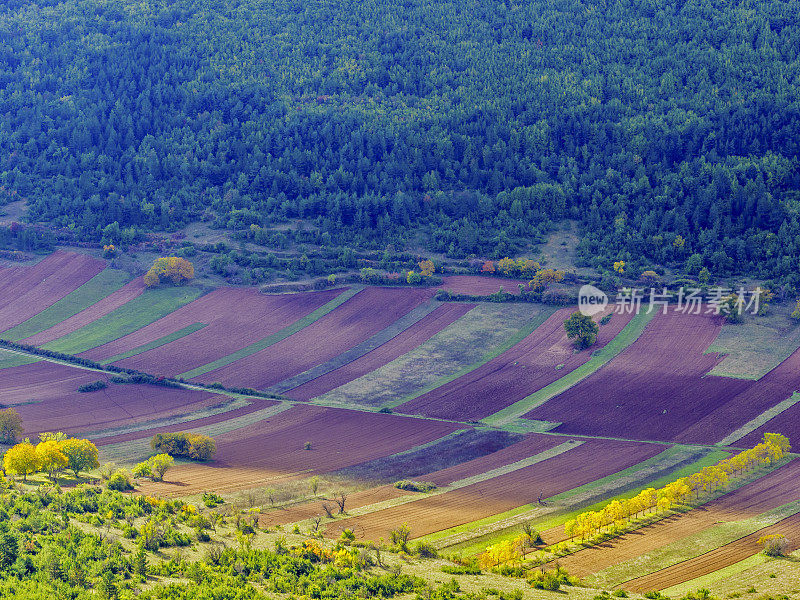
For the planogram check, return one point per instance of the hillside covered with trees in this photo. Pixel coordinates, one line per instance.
(669, 129)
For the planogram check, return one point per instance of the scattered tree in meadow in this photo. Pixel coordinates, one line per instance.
(581, 329)
(543, 278)
(774, 545)
(190, 445)
(10, 426)
(400, 537)
(81, 455)
(170, 268)
(21, 460)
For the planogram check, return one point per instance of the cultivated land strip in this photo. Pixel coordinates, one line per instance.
(98, 287)
(520, 335)
(15, 359)
(574, 499)
(439, 359)
(466, 481)
(275, 337)
(392, 331)
(635, 573)
(760, 420)
(629, 334)
(144, 309)
(176, 335)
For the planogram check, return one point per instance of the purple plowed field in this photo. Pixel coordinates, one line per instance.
(108, 304)
(409, 339)
(477, 285)
(516, 373)
(657, 389)
(27, 291)
(46, 396)
(361, 317)
(235, 318)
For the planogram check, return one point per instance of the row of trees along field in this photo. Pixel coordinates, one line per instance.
(668, 130)
(618, 515)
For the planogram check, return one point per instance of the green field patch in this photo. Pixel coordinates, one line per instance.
(629, 334)
(689, 547)
(275, 337)
(98, 287)
(156, 343)
(13, 359)
(487, 328)
(757, 346)
(725, 573)
(139, 312)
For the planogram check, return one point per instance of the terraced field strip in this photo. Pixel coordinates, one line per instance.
(275, 337)
(473, 537)
(189, 329)
(509, 343)
(141, 311)
(725, 574)
(14, 359)
(629, 334)
(729, 544)
(467, 481)
(98, 287)
(356, 352)
(434, 362)
(760, 420)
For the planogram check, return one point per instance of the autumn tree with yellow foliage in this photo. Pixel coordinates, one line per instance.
(169, 269)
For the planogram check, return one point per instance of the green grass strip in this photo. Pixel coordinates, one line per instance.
(275, 337)
(139, 312)
(729, 573)
(515, 339)
(156, 343)
(98, 287)
(12, 359)
(624, 338)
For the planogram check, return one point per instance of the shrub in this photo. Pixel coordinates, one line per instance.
(461, 569)
(774, 545)
(93, 387)
(10, 426)
(171, 268)
(119, 481)
(212, 500)
(414, 486)
(425, 550)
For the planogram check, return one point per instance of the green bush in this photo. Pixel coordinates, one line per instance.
(93, 387)
(414, 486)
(119, 481)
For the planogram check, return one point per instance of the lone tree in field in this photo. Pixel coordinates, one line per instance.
(581, 329)
(10, 426)
(169, 269)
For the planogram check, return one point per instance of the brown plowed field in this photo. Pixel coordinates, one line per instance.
(419, 332)
(307, 510)
(655, 389)
(762, 495)
(273, 448)
(27, 291)
(361, 317)
(516, 373)
(717, 559)
(108, 304)
(477, 285)
(234, 318)
(590, 461)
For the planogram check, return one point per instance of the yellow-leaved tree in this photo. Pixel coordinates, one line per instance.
(50, 457)
(81, 455)
(21, 460)
(174, 269)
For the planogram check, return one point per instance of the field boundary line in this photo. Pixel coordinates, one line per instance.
(544, 314)
(760, 420)
(162, 341)
(571, 499)
(467, 481)
(629, 334)
(376, 341)
(276, 337)
(16, 359)
(79, 299)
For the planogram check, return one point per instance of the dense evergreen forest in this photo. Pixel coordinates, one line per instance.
(670, 129)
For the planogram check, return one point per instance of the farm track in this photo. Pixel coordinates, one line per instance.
(540, 359)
